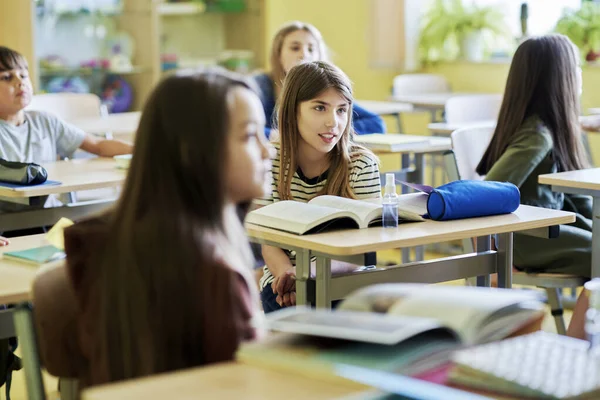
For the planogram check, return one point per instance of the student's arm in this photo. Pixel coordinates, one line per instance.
(520, 158)
(366, 122)
(3, 241)
(105, 147)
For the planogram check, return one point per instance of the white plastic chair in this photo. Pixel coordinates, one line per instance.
(68, 106)
(472, 108)
(469, 145)
(419, 84)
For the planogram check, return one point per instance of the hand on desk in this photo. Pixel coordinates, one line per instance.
(3, 241)
(284, 286)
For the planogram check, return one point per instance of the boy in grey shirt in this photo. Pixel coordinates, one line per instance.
(34, 136)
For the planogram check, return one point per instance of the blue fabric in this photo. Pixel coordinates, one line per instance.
(364, 121)
(18, 185)
(467, 199)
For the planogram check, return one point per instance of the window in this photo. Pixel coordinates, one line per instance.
(542, 14)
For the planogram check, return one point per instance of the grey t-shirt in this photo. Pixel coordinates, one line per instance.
(41, 139)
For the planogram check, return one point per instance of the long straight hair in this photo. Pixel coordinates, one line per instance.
(542, 82)
(277, 72)
(165, 228)
(304, 83)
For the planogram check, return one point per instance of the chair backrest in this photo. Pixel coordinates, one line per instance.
(419, 84)
(468, 145)
(472, 108)
(68, 106)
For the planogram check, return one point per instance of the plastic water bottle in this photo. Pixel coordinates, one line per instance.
(592, 316)
(390, 203)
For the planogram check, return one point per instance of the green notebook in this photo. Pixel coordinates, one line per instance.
(37, 255)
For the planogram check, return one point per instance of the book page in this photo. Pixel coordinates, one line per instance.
(415, 203)
(463, 309)
(349, 325)
(293, 216)
(365, 211)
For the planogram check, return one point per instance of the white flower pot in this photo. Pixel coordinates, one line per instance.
(472, 47)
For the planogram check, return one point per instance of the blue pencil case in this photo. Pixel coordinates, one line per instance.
(467, 199)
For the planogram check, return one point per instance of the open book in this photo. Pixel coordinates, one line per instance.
(325, 212)
(407, 329)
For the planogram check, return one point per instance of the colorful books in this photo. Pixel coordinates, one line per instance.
(36, 256)
(406, 329)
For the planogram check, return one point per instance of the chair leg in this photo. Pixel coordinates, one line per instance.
(556, 309)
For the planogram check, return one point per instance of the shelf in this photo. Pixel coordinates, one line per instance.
(183, 8)
(90, 71)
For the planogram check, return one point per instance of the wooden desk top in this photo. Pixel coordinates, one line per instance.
(444, 128)
(224, 381)
(16, 277)
(78, 174)
(384, 107)
(588, 179)
(357, 241)
(122, 123)
(423, 144)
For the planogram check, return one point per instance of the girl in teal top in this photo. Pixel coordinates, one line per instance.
(538, 133)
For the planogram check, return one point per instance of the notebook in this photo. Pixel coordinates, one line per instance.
(19, 185)
(540, 365)
(36, 256)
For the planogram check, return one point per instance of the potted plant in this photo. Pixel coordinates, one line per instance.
(451, 29)
(583, 28)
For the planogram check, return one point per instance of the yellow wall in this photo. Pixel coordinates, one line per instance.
(344, 25)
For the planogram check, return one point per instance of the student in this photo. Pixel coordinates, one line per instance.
(538, 133)
(164, 280)
(295, 43)
(315, 156)
(36, 136)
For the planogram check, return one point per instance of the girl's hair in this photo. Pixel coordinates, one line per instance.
(10, 59)
(165, 228)
(277, 72)
(304, 83)
(542, 82)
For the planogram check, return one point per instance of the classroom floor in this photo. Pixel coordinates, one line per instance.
(18, 385)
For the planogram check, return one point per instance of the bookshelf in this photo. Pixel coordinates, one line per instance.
(156, 27)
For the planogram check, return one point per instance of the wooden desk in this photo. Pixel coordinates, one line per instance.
(16, 277)
(435, 101)
(446, 129)
(350, 245)
(224, 381)
(117, 124)
(16, 280)
(587, 182)
(384, 108)
(74, 175)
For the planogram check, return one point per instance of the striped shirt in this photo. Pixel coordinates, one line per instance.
(365, 182)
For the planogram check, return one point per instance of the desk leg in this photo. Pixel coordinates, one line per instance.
(399, 123)
(504, 259)
(419, 177)
(302, 275)
(405, 164)
(596, 238)
(23, 318)
(322, 283)
(484, 243)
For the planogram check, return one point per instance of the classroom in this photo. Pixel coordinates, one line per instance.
(292, 199)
